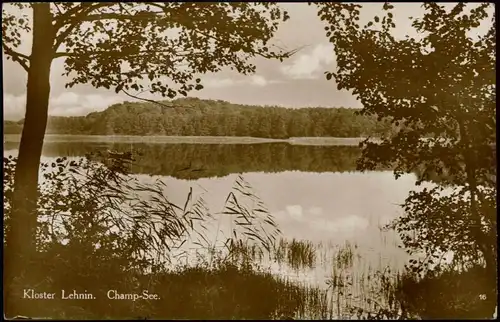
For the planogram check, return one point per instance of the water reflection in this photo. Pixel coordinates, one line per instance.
(326, 210)
(310, 205)
(193, 161)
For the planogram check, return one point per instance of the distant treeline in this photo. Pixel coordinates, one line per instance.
(196, 117)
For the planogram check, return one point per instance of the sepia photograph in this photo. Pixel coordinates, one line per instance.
(249, 160)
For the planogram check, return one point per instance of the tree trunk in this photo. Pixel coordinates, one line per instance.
(21, 237)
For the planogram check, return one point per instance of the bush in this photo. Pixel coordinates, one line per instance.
(449, 294)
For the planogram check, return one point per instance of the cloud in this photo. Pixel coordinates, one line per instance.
(13, 106)
(316, 211)
(280, 215)
(66, 99)
(254, 80)
(64, 104)
(73, 104)
(310, 65)
(218, 83)
(348, 224)
(295, 211)
(258, 80)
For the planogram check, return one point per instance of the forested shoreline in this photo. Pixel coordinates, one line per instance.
(197, 117)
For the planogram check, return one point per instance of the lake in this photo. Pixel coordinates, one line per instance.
(313, 191)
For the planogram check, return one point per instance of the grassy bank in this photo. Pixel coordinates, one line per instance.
(237, 287)
(224, 291)
(217, 286)
(93, 252)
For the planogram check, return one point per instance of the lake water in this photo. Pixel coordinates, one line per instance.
(313, 192)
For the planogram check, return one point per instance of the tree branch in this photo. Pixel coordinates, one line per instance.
(75, 21)
(140, 15)
(16, 56)
(57, 7)
(62, 19)
(153, 101)
(146, 99)
(125, 54)
(286, 54)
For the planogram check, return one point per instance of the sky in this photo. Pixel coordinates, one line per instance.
(297, 82)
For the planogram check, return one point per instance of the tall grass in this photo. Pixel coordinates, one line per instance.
(100, 229)
(297, 254)
(112, 239)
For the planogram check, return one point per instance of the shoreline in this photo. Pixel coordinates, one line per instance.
(59, 138)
